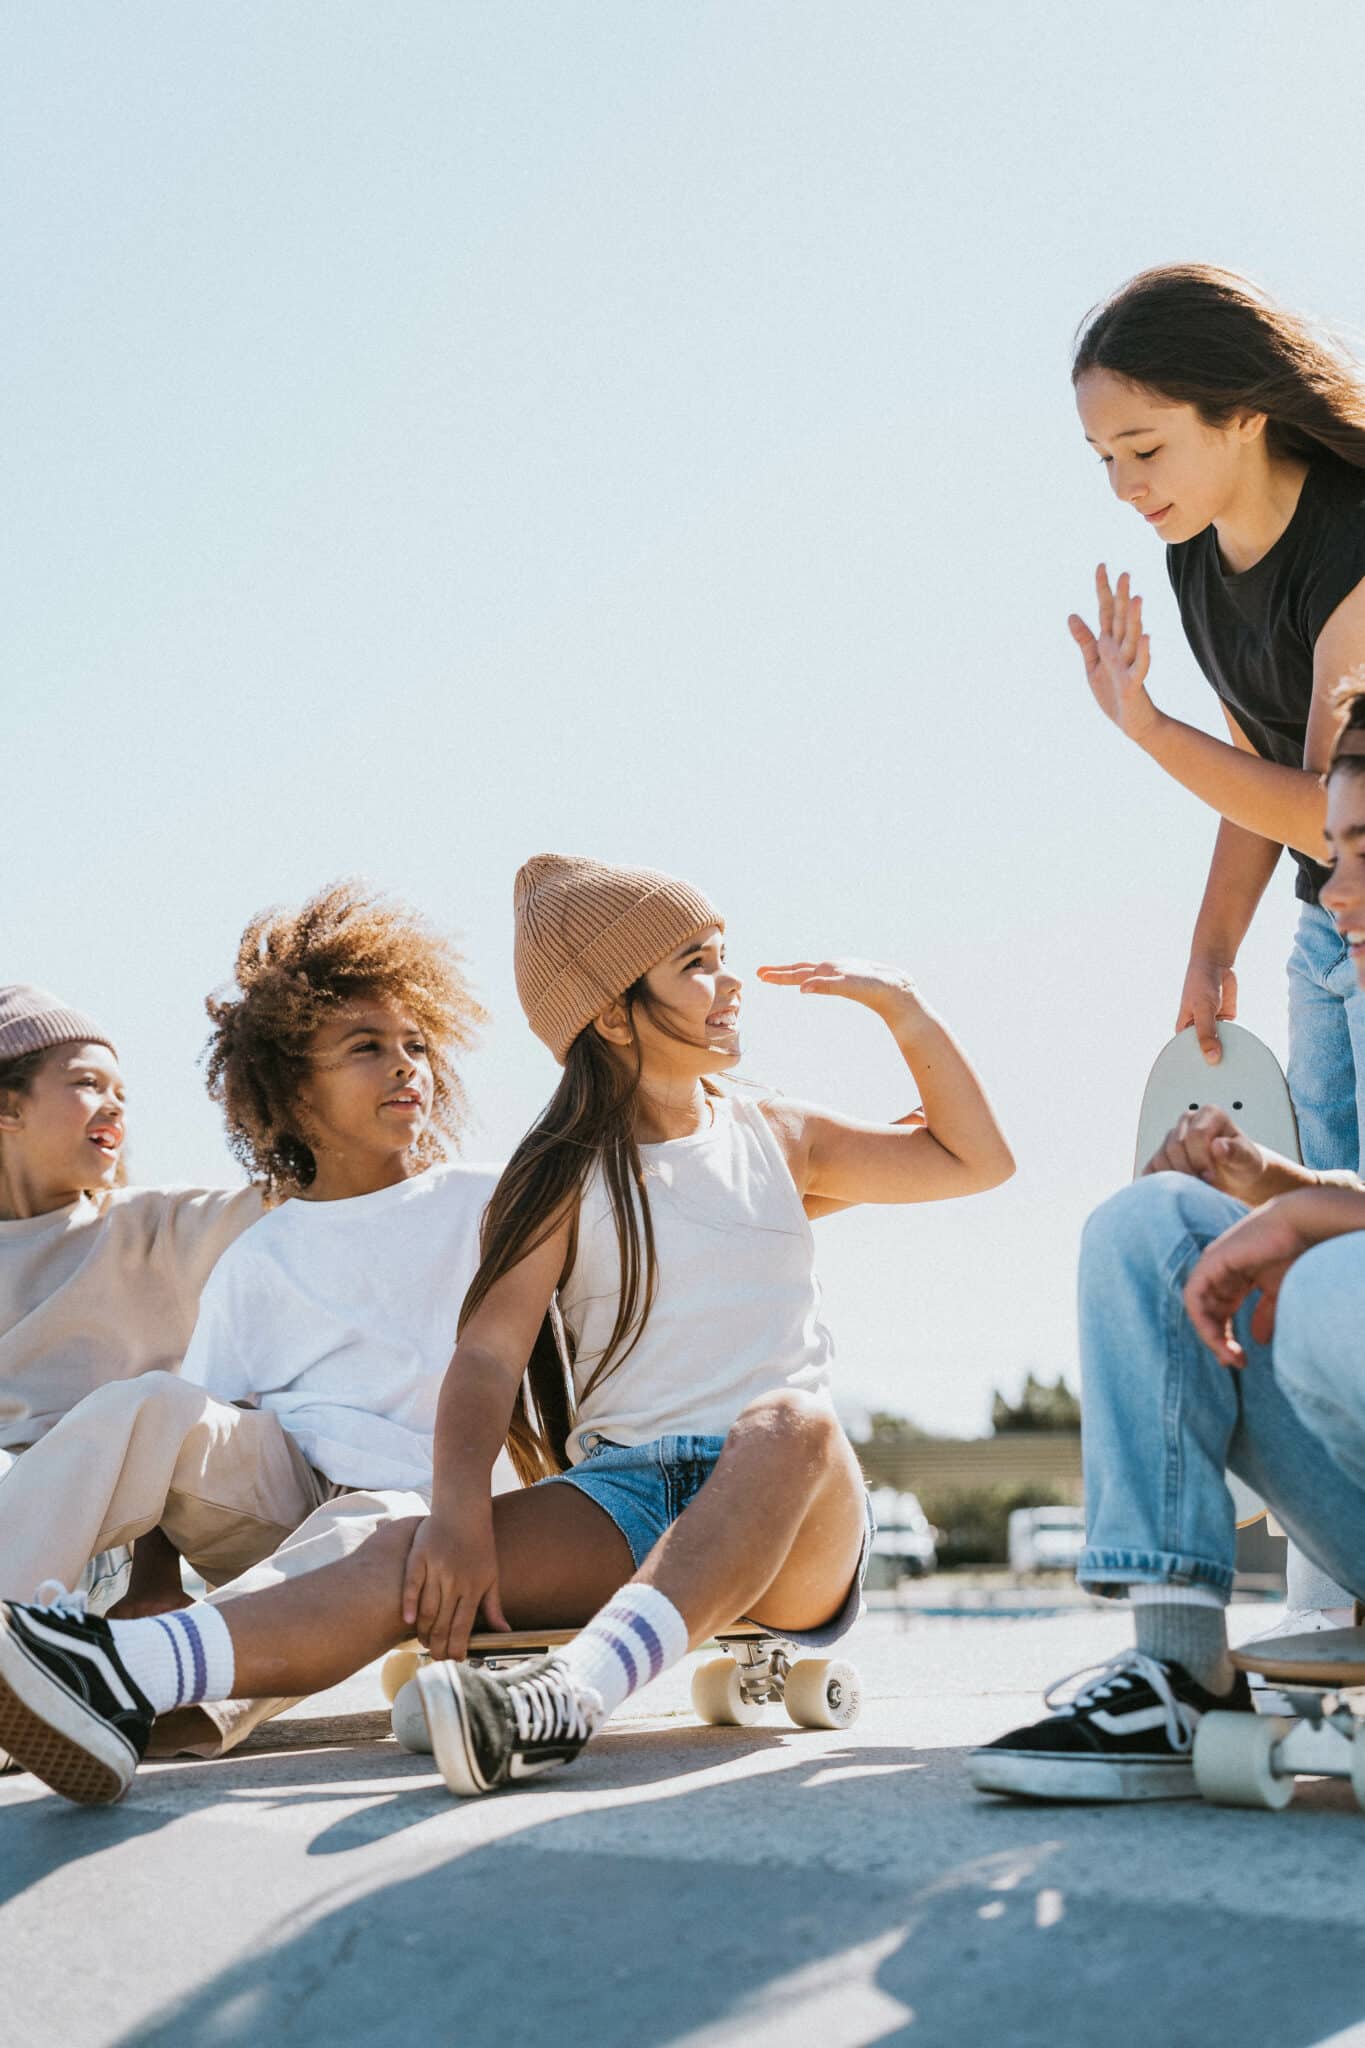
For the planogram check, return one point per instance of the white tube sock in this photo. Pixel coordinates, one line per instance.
(178, 1659)
(638, 1634)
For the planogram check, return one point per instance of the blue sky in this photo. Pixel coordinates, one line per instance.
(445, 433)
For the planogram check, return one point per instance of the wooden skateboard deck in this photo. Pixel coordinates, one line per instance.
(1248, 1082)
(1333, 1657)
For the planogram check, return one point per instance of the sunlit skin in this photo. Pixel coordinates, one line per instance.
(1181, 476)
(65, 1135)
(366, 1099)
(1256, 1253)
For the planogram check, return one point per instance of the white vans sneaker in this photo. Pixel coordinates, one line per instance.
(1266, 1697)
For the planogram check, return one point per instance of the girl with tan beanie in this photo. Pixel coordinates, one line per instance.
(690, 1468)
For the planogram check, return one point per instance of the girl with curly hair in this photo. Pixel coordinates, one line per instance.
(1236, 431)
(99, 1281)
(334, 1057)
(693, 1471)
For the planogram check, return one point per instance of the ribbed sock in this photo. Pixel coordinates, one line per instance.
(178, 1659)
(1185, 1625)
(638, 1634)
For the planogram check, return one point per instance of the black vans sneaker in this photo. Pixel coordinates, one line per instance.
(495, 1728)
(69, 1712)
(1127, 1732)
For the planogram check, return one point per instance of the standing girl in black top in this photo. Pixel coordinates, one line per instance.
(1238, 434)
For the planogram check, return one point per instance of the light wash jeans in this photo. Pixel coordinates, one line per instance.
(1163, 1421)
(1326, 1044)
(1327, 1082)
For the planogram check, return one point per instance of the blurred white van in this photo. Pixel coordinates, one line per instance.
(1046, 1539)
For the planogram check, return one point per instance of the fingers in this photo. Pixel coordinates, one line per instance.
(1105, 597)
(1212, 1298)
(492, 1610)
(794, 970)
(1204, 1021)
(412, 1587)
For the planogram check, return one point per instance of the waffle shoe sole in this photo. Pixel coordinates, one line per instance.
(49, 1730)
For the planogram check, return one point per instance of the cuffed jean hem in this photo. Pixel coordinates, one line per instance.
(1100, 1570)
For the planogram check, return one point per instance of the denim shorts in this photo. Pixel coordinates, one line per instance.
(645, 1487)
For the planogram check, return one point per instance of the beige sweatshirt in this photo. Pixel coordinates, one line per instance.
(104, 1289)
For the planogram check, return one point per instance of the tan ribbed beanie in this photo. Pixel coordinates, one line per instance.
(31, 1020)
(586, 931)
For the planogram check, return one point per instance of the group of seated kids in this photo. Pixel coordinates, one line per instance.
(379, 1394)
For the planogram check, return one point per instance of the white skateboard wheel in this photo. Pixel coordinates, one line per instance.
(824, 1693)
(1234, 1760)
(410, 1721)
(399, 1666)
(718, 1699)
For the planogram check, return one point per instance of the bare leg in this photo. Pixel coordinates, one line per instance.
(776, 1530)
(559, 1558)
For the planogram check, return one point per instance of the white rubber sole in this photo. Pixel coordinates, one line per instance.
(409, 1719)
(443, 1706)
(1044, 1775)
(48, 1731)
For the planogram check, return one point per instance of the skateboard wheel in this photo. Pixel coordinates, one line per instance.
(410, 1721)
(1234, 1760)
(399, 1666)
(717, 1697)
(823, 1693)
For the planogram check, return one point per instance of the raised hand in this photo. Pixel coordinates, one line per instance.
(887, 990)
(1118, 657)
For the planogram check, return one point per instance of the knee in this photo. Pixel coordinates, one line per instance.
(1146, 1219)
(789, 1418)
(163, 1392)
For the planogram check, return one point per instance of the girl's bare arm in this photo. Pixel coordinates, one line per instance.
(452, 1571)
(959, 1148)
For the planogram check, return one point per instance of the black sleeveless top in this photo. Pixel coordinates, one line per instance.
(1253, 634)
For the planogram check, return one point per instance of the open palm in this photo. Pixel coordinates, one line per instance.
(1118, 657)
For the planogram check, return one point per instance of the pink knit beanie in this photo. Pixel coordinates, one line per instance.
(585, 932)
(31, 1020)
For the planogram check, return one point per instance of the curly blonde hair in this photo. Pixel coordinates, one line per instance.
(294, 968)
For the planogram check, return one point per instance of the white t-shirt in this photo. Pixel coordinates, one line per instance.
(341, 1317)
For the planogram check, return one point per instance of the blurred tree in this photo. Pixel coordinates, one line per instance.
(1038, 1407)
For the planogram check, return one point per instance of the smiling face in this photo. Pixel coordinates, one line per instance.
(688, 1024)
(367, 1096)
(1177, 472)
(63, 1134)
(1343, 894)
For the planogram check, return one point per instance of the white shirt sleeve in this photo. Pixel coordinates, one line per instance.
(215, 1360)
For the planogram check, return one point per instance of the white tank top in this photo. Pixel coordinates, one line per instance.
(737, 1311)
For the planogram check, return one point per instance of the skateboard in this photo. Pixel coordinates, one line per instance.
(733, 1690)
(1253, 1759)
(1249, 1084)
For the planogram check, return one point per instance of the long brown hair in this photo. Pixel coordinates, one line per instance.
(589, 1124)
(1211, 339)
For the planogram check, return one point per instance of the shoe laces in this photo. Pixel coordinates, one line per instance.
(1096, 1683)
(53, 1597)
(550, 1708)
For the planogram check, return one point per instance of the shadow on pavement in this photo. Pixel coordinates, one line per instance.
(738, 1911)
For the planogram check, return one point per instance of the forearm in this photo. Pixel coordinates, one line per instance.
(1331, 1209)
(1284, 805)
(957, 1112)
(472, 1416)
(1239, 871)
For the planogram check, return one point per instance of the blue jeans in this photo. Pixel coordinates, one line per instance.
(1326, 1044)
(1163, 1421)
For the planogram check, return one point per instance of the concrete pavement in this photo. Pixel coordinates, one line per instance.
(685, 1885)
